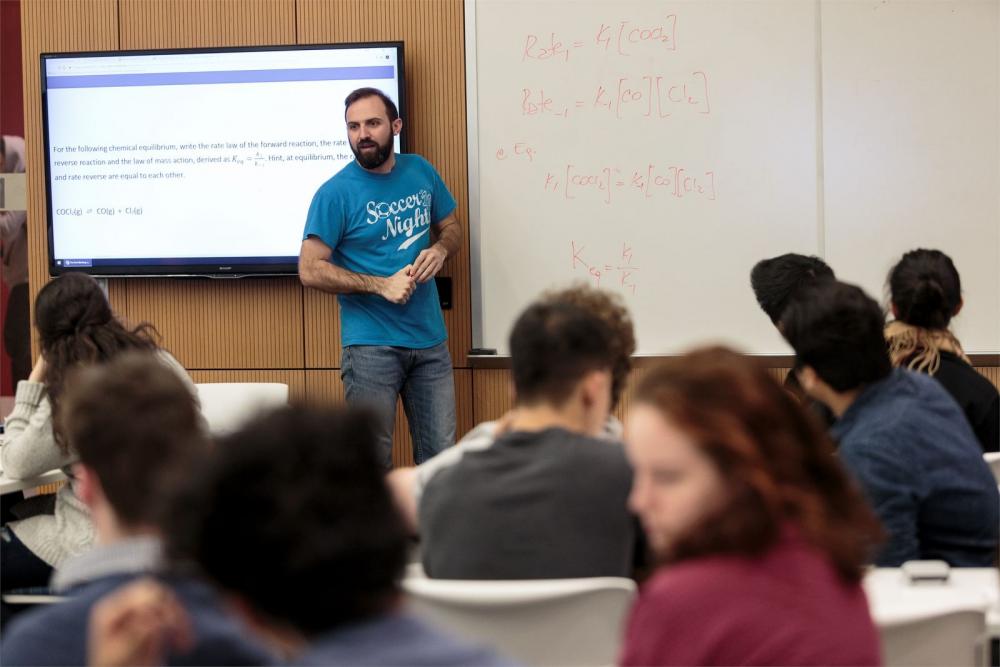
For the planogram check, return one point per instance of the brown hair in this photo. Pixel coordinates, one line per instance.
(610, 308)
(776, 462)
(137, 425)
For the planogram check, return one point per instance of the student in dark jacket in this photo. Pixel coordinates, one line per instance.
(901, 435)
(926, 293)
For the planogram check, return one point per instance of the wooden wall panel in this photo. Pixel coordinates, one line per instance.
(296, 380)
(224, 324)
(326, 388)
(51, 26)
(150, 24)
(322, 329)
(992, 374)
(434, 123)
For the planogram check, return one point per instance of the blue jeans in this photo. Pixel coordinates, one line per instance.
(374, 375)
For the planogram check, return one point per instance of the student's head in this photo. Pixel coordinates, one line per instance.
(776, 280)
(611, 309)
(725, 460)
(372, 124)
(76, 327)
(137, 430)
(563, 356)
(925, 289)
(294, 506)
(836, 331)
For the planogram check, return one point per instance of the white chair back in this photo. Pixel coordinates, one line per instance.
(538, 622)
(226, 406)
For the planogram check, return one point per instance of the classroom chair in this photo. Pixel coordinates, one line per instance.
(538, 622)
(227, 405)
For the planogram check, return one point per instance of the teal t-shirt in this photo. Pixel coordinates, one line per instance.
(376, 224)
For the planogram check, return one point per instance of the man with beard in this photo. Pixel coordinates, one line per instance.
(367, 239)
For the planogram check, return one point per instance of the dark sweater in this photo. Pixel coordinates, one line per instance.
(978, 398)
(541, 505)
(912, 450)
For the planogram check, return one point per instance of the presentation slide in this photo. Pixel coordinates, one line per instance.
(197, 158)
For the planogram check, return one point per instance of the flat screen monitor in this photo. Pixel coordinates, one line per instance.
(198, 161)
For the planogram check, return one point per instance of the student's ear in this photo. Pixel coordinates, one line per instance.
(958, 308)
(808, 378)
(397, 126)
(596, 388)
(86, 486)
(895, 310)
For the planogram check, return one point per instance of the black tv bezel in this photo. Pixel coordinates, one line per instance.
(231, 267)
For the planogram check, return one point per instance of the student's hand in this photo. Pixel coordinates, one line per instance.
(137, 625)
(38, 371)
(398, 288)
(429, 262)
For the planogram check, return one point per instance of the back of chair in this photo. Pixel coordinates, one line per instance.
(538, 622)
(226, 406)
(955, 638)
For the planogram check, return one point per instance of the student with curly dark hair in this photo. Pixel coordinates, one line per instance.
(295, 506)
(761, 536)
(76, 327)
(926, 292)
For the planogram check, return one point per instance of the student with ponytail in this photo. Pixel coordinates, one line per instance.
(926, 292)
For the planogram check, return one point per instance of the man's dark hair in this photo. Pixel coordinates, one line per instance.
(925, 288)
(361, 93)
(294, 506)
(776, 280)
(553, 346)
(837, 329)
(137, 425)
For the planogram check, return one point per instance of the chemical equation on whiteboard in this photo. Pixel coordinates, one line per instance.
(650, 96)
(621, 39)
(607, 182)
(620, 272)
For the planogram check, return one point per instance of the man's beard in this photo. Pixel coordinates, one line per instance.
(373, 159)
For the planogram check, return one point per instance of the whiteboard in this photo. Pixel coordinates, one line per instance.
(660, 149)
(910, 120)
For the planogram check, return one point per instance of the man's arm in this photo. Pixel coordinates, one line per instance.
(449, 241)
(316, 271)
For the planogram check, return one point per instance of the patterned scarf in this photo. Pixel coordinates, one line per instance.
(920, 349)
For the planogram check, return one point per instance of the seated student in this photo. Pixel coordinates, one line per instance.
(926, 294)
(75, 327)
(901, 435)
(547, 499)
(774, 282)
(136, 430)
(291, 518)
(761, 536)
(407, 484)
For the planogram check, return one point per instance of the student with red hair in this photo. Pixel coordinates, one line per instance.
(761, 537)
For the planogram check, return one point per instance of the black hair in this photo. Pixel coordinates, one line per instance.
(775, 280)
(137, 425)
(390, 107)
(553, 346)
(925, 288)
(837, 329)
(295, 505)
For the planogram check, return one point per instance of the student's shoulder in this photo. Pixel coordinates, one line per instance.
(50, 634)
